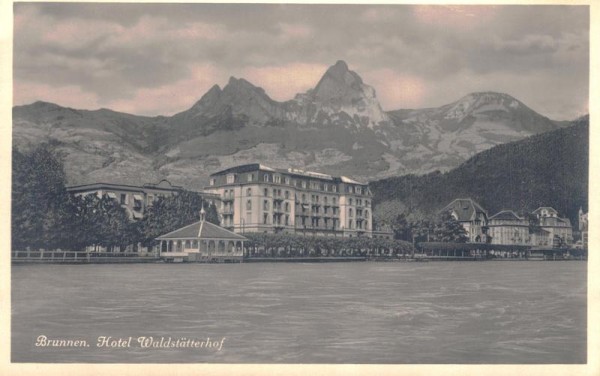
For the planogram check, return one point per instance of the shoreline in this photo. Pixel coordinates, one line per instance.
(150, 260)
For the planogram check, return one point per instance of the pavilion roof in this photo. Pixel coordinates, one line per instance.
(202, 230)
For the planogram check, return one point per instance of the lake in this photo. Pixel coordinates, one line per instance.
(360, 312)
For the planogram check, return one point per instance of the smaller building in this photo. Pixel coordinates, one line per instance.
(383, 232)
(471, 216)
(559, 229)
(202, 241)
(135, 199)
(506, 227)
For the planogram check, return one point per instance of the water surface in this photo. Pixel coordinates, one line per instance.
(362, 312)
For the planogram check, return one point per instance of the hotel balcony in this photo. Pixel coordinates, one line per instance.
(227, 199)
(227, 212)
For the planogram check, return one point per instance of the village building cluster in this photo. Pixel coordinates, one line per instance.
(545, 229)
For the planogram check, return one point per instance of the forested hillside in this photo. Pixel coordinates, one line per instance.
(549, 169)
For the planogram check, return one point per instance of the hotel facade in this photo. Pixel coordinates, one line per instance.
(257, 198)
(133, 198)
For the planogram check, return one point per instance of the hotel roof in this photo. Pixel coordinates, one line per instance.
(163, 185)
(291, 171)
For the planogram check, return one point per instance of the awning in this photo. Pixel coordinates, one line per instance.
(138, 197)
(111, 195)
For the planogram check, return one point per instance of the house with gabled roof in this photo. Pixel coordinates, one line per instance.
(202, 241)
(472, 216)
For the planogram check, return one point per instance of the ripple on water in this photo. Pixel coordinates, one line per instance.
(303, 313)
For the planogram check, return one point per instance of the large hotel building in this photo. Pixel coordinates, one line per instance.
(257, 198)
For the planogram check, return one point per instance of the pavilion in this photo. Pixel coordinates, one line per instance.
(202, 241)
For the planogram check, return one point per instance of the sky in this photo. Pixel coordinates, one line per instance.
(159, 59)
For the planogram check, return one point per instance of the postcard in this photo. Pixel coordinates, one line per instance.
(294, 188)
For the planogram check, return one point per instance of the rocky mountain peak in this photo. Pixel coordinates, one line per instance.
(338, 81)
(210, 99)
(239, 90)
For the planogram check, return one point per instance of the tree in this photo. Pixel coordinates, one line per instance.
(167, 214)
(42, 209)
(101, 221)
(449, 229)
(401, 227)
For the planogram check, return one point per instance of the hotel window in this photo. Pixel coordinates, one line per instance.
(212, 181)
(367, 203)
(277, 179)
(249, 192)
(303, 197)
(350, 212)
(303, 184)
(287, 195)
(333, 200)
(265, 218)
(150, 199)
(250, 177)
(266, 192)
(230, 178)
(349, 223)
(266, 177)
(287, 181)
(366, 213)
(287, 220)
(249, 205)
(350, 201)
(195, 244)
(287, 206)
(359, 190)
(123, 198)
(266, 205)
(326, 187)
(274, 192)
(334, 188)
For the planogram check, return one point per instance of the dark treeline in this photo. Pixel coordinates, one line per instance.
(549, 169)
(46, 216)
(291, 245)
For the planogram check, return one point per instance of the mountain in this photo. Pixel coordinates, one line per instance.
(549, 169)
(338, 127)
